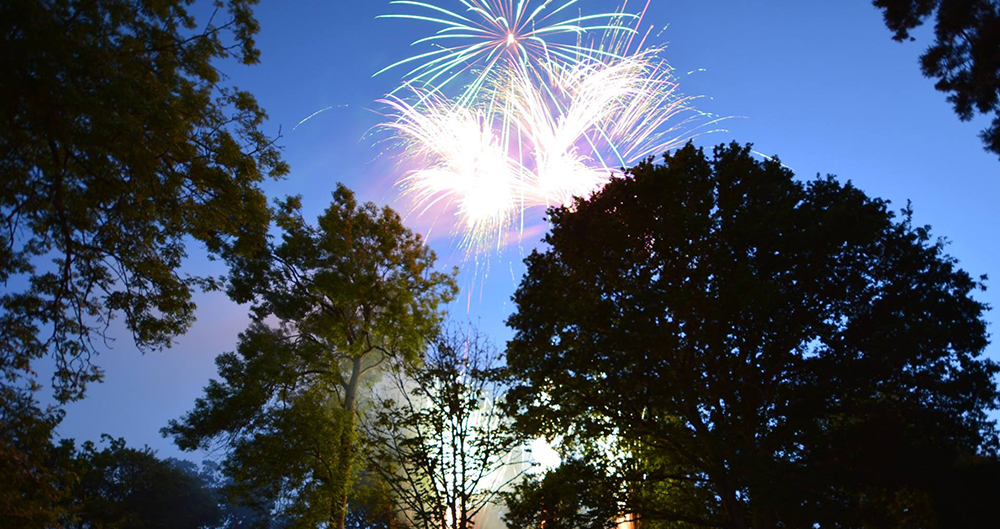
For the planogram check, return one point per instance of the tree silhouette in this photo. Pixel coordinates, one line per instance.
(119, 144)
(35, 472)
(736, 349)
(330, 303)
(126, 487)
(573, 495)
(438, 438)
(964, 58)
(256, 513)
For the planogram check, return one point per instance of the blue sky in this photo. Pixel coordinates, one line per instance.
(820, 84)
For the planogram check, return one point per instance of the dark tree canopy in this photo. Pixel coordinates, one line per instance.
(734, 348)
(573, 495)
(119, 143)
(330, 304)
(965, 56)
(258, 513)
(35, 473)
(129, 488)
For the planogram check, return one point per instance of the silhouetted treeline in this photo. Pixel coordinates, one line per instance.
(112, 485)
(707, 341)
(716, 344)
(963, 59)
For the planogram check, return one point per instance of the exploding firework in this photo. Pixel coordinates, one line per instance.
(596, 118)
(488, 36)
(538, 122)
(463, 163)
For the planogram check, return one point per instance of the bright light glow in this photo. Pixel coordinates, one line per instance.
(472, 36)
(537, 121)
(463, 164)
(544, 456)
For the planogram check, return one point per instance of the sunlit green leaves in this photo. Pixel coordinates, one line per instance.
(331, 302)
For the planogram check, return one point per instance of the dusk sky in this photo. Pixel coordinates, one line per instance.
(820, 84)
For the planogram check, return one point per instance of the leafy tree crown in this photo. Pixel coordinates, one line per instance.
(728, 344)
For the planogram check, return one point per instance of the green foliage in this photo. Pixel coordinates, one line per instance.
(118, 145)
(737, 349)
(330, 303)
(35, 474)
(963, 58)
(574, 495)
(372, 504)
(123, 487)
(438, 438)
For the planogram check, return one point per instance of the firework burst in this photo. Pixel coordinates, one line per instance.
(487, 36)
(463, 164)
(537, 121)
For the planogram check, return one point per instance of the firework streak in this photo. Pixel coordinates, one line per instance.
(548, 104)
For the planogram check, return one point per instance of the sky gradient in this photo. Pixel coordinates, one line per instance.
(820, 84)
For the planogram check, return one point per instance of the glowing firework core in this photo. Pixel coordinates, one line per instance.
(552, 121)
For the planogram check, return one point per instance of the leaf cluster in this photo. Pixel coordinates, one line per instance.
(739, 349)
(35, 473)
(964, 57)
(331, 302)
(119, 145)
(127, 487)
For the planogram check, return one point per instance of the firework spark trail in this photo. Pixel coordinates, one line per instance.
(568, 139)
(463, 164)
(599, 118)
(497, 34)
(584, 99)
(540, 121)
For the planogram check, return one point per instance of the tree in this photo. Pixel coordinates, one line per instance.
(373, 505)
(573, 495)
(330, 304)
(126, 487)
(35, 473)
(257, 514)
(438, 438)
(738, 349)
(964, 58)
(119, 143)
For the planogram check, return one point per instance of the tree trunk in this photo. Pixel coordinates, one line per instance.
(345, 459)
(732, 505)
(763, 515)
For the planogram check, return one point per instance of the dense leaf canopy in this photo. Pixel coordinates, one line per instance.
(965, 56)
(119, 143)
(734, 348)
(331, 303)
(126, 487)
(34, 471)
